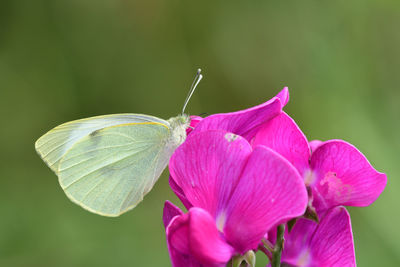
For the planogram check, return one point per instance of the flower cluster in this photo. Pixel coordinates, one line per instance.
(245, 174)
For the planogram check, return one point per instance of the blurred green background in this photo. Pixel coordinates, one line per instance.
(62, 60)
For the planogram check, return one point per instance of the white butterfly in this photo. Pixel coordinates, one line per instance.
(107, 164)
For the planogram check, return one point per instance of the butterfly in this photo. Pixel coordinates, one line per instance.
(107, 164)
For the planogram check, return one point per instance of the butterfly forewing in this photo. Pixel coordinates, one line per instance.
(53, 145)
(110, 170)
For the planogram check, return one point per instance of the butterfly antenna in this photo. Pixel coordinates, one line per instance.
(195, 82)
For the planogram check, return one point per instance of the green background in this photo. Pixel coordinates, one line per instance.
(62, 60)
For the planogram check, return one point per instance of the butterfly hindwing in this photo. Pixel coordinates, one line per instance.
(110, 170)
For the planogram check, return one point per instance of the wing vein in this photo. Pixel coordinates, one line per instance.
(102, 167)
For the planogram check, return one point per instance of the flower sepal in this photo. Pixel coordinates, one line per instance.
(311, 214)
(249, 258)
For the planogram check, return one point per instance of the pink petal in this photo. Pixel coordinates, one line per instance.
(332, 243)
(283, 96)
(284, 136)
(169, 212)
(297, 243)
(178, 243)
(269, 192)
(329, 243)
(245, 122)
(343, 176)
(193, 238)
(178, 234)
(314, 144)
(179, 192)
(205, 240)
(194, 120)
(207, 167)
(182, 260)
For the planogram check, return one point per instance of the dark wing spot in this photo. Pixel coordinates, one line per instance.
(94, 133)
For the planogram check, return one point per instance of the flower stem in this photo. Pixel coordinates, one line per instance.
(266, 252)
(276, 255)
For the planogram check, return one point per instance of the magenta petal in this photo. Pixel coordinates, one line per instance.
(270, 191)
(329, 243)
(332, 243)
(205, 240)
(194, 120)
(245, 122)
(283, 96)
(178, 234)
(314, 144)
(297, 243)
(344, 176)
(282, 135)
(208, 166)
(178, 242)
(193, 239)
(179, 192)
(169, 212)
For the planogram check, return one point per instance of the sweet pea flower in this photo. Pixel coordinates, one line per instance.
(235, 194)
(245, 123)
(336, 172)
(329, 243)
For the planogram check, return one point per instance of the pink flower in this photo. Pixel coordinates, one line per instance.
(336, 172)
(329, 243)
(245, 123)
(235, 194)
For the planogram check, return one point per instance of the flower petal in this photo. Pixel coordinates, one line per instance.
(205, 240)
(297, 243)
(284, 136)
(178, 234)
(194, 120)
(179, 192)
(329, 243)
(269, 192)
(332, 243)
(178, 243)
(169, 212)
(283, 96)
(314, 144)
(207, 167)
(245, 122)
(344, 176)
(193, 238)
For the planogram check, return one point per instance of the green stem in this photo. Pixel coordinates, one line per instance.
(266, 252)
(276, 255)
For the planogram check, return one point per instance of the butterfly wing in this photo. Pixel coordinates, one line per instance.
(110, 170)
(54, 144)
